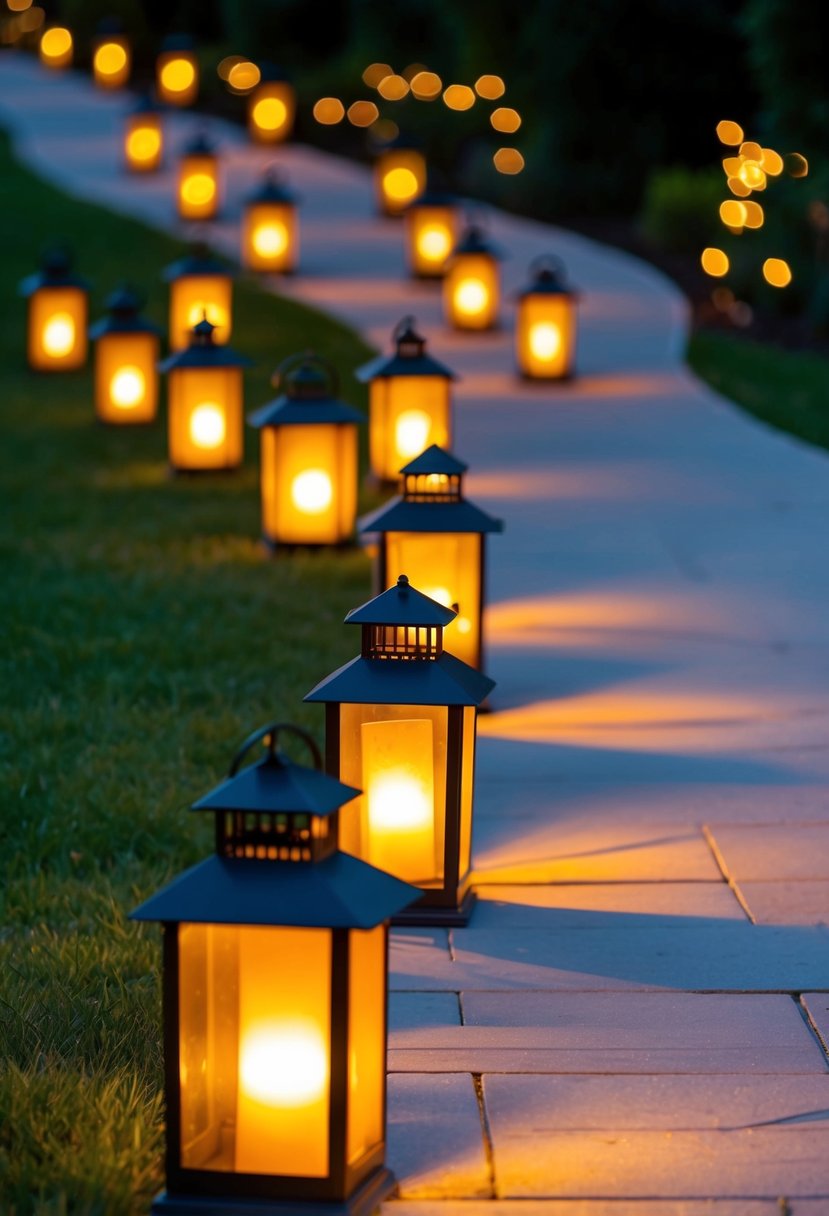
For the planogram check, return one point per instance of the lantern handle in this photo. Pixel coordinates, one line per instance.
(550, 262)
(307, 356)
(270, 734)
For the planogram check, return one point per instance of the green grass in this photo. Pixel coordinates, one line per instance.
(785, 389)
(144, 634)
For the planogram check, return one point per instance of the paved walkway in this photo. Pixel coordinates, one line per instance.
(635, 1013)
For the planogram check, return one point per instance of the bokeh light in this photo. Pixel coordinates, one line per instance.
(777, 272)
(393, 87)
(198, 189)
(110, 58)
(729, 132)
(56, 42)
(385, 130)
(227, 64)
(18, 6)
(771, 162)
(738, 187)
(797, 165)
(32, 19)
(362, 113)
(375, 72)
(752, 175)
(459, 97)
(270, 113)
(244, 76)
(754, 214)
(329, 110)
(733, 213)
(426, 86)
(414, 69)
(508, 160)
(490, 87)
(144, 143)
(177, 75)
(714, 262)
(751, 150)
(506, 120)
(400, 184)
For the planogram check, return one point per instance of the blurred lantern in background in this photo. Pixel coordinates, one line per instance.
(125, 359)
(545, 327)
(432, 225)
(436, 534)
(56, 47)
(399, 175)
(198, 181)
(143, 137)
(111, 56)
(270, 227)
(58, 304)
(275, 981)
(177, 71)
(308, 457)
(271, 108)
(410, 402)
(400, 722)
(472, 283)
(200, 285)
(205, 405)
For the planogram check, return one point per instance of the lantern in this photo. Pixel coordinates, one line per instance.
(271, 108)
(197, 189)
(111, 56)
(401, 718)
(410, 403)
(58, 303)
(308, 457)
(270, 227)
(143, 137)
(56, 47)
(472, 283)
(200, 285)
(432, 224)
(177, 71)
(399, 176)
(545, 325)
(126, 354)
(204, 405)
(439, 536)
(275, 974)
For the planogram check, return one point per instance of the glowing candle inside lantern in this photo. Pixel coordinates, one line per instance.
(207, 425)
(127, 388)
(545, 340)
(111, 65)
(197, 189)
(59, 335)
(400, 185)
(143, 146)
(269, 113)
(177, 80)
(471, 297)
(312, 491)
(434, 242)
(270, 239)
(398, 779)
(412, 433)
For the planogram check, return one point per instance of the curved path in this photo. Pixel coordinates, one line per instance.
(648, 1028)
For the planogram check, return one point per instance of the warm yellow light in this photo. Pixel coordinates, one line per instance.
(737, 187)
(110, 58)
(393, 87)
(18, 6)
(225, 65)
(411, 433)
(772, 162)
(545, 340)
(399, 803)
(426, 86)
(270, 113)
(56, 43)
(797, 165)
(729, 132)
(754, 214)
(714, 262)
(198, 189)
(143, 143)
(459, 97)
(363, 113)
(777, 272)
(471, 297)
(283, 1064)
(504, 119)
(400, 184)
(269, 240)
(751, 150)
(201, 310)
(127, 387)
(59, 335)
(207, 425)
(177, 75)
(732, 165)
(244, 76)
(398, 777)
(733, 213)
(375, 72)
(508, 160)
(752, 175)
(329, 110)
(434, 242)
(490, 87)
(312, 491)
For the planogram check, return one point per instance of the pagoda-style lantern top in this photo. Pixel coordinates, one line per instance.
(309, 385)
(545, 327)
(270, 225)
(57, 314)
(197, 261)
(204, 352)
(123, 315)
(55, 271)
(409, 358)
(434, 479)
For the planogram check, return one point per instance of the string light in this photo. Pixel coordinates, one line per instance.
(328, 111)
(508, 160)
(777, 272)
(490, 87)
(459, 97)
(729, 132)
(714, 262)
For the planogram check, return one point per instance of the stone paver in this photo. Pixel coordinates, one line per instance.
(773, 852)
(786, 903)
(816, 1005)
(435, 1138)
(596, 905)
(604, 1207)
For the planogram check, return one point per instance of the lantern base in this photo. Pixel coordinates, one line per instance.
(365, 1200)
(423, 917)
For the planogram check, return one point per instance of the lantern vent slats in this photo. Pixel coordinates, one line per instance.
(432, 487)
(402, 642)
(275, 837)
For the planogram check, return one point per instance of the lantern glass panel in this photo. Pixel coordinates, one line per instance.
(255, 1049)
(269, 237)
(397, 755)
(205, 418)
(366, 1041)
(431, 234)
(198, 188)
(143, 143)
(545, 335)
(467, 791)
(126, 380)
(471, 291)
(271, 110)
(400, 177)
(407, 414)
(177, 78)
(309, 483)
(446, 566)
(57, 328)
(193, 296)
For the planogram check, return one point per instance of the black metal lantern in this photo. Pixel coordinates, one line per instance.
(400, 722)
(545, 323)
(410, 402)
(275, 978)
(432, 225)
(439, 536)
(126, 354)
(472, 283)
(198, 186)
(57, 310)
(270, 226)
(200, 285)
(143, 136)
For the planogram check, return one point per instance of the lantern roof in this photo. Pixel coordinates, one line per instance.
(123, 315)
(402, 604)
(273, 188)
(278, 784)
(198, 260)
(548, 277)
(474, 240)
(309, 387)
(435, 459)
(420, 509)
(55, 271)
(409, 357)
(203, 352)
(200, 145)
